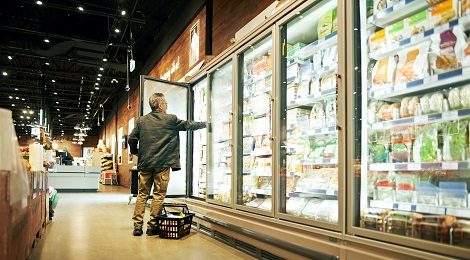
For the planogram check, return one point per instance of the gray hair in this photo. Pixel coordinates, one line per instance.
(155, 100)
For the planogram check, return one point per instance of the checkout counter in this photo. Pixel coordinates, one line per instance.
(70, 177)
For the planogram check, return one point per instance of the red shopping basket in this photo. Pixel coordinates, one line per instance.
(173, 224)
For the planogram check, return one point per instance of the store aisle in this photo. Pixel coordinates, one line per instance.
(98, 226)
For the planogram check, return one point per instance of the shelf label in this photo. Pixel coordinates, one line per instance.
(450, 115)
(430, 79)
(392, 46)
(414, 167)
(423, 209)
(400, 87)
(465, 70)
(335, 161)
(324, 130)
(441, 28)
(399, 5)
(450, 165)
(381, 204)
(330, 192)
(417, 37)
(377, 126)
(405, 207)
(464, 213)
(380, 167)
(419, 120)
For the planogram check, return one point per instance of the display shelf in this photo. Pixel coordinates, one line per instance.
(257, 114)
(319, 161)
(330, 192)
(224, 139)
(261, 172)
(262, 152)
(423, 119)
(255, 79)
(391, 49)
(321, 72)
(321, 44)
(399, 11)
(261, 191)
(320, 131)
(425, 85)
(462, 165)
(422, 208)
(310, 99)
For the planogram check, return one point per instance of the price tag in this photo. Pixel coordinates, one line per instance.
(379, 92)
(441, 28)
(423, 209)
(380, 167)
(322, 40)
(464, 213)
(420, 120)
(378, 126)
(405, 207)
(414, 167)
(437, 210)
(400, 87)
(330, 192)
(466, 70)
(450, 115)
(450, 165)
(417, 37)
(392, 47)
(399, 5)
(430, 79)
(292, 71)
(335, 161)
(381, 204)
(324, 130)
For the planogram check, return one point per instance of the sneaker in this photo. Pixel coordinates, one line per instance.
(152, 232)
(138, 232)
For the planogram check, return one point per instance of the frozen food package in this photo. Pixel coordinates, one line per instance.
(456, 143)
(304, 89)
(370, 7)
(295, 206)
(453, 194)
(328, 82)
(317, 59)
(333, 185)
(317, 116)
(387, 111)
(372, 177)
(426, 143)
(373, 218)
(435, 228)
(377, 40)
(396, 32)
(409, 106)
(330, 112)
(379, 5)
(372, 111)
(334, 25)
(315, 87)
(391, 3)
(431, 103)
(405, 187)
(401, 141)
(442, 13)
(427, 193)
(383, 72)
(384, 186)
(465, 7)
(328, 211)
(266, 205)
(417, 23)
(465, 96)
(380, 146)
(255, 203)
(331, 149)
(454, 99)
(318, 149)
(322, 178)
(307, 178)
(461, 234)
(401, 222)
(263, 182)
(330, 56)
(412, 63)
(325, 24)
(311, 208)
(447, 49)
(290, 183)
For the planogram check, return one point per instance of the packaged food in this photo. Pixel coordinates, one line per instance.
(386, 111)
(442, 13)
(294, 206)
(454, 99)
(427, 193)
(446, 49)
(328, 82)
(315, 88)
(401, 222)
(373, 111)
(379, 5)
(435, 228)
(317, 59)
(330, 112)
(401, 141)
(328, 211)
(266, 205)
(396, 32)
(385, 184)
(330, 56)
(465, 7)
(391, 3)
(318, 149)
(317, 116)
(465, 96)
(325, 24)
(331, 149)
(304, 89)
(412, 63)
(431, 103)
(290, 183)
(380, 146)
(335, 20)
(417, 23)
(333, 185)
(453, 194)
(322, 178)
(370, 8)
(383, 72)
(373, 218)
(409, 106)
(255, 203)
(405, 187)
(425, 145)
(311, 208)
(372, 177)
(307, 178)
(377, 40)
(456, 141)
(461, 234)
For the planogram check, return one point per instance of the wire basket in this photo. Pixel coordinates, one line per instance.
(174, 224)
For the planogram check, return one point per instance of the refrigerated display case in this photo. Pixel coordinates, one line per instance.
(308, 116)
(219, 172)
(199, 140)
(254, 182)
(410, 140)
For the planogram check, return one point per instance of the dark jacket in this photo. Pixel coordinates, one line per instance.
(158, 136)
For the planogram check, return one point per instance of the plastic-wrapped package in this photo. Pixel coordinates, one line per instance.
(409, 106)
(387, 111)
(446, 49)
(405, 187)
(331, 149)
(374, 218)
(401, 140)
(318, 149)
(425, 145)
(454, 99)
(455, 147)
(330, 112)
(380, 146)
(307, 178)
(322, 178)
(465, 96)
(435, 228)
(383, 72)
(401, 222)
(412, 63)
(304, 89)
(255, 203)
(385, 184)
(266, 205)
(295, 206)
(311, 208)
(317, 116)
(328, 211)
(373, 111)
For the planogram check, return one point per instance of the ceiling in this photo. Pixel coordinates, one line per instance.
(67, 76)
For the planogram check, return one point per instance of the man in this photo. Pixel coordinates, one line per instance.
(159, 150)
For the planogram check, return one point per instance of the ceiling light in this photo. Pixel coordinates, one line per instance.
(104, 59)
(22, 99)
(39, 2)
(123, 12)
(57, 102)
(80, 142)
(21, 116)
(99, 75)
(31, 112)
(114, 81)
(28, 117)
(61, 124)
(12, 105)
(80, 8)
(117, 30)
(16, 89)
(91, 92)
(101, 68)
(89, 101)
(24, 111)
(17, 97)
(5, 73)
(47, 63)
(10, 57)
(58, 109)
(46, 40)
(10, 97)
(53, 80)
(96, 87)
(55, 93)
(98, 78)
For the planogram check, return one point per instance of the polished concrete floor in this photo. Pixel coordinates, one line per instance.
(98, 225)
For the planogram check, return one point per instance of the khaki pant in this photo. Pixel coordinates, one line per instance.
(159, 177)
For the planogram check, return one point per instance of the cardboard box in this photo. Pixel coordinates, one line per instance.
(417, 23)
(442, 13)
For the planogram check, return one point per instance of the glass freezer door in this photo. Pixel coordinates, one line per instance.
(199, 141)
(254, 183)
(308, 95)
(411, 129)
(219, 172)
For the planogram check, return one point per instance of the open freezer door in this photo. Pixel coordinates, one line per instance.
(177, 96)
